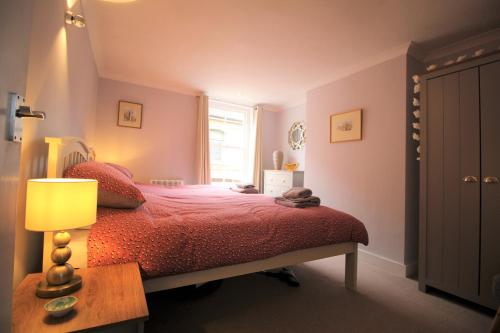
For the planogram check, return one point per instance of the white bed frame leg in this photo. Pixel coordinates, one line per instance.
(351, 269)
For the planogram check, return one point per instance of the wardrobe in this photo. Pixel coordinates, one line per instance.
(459, 236)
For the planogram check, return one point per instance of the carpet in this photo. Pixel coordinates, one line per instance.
(258, 303)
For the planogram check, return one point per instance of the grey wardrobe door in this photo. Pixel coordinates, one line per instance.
(453, 206)
(490, 192)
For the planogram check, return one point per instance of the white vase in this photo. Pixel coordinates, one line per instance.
(277, 159)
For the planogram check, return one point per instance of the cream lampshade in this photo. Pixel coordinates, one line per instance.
(57, 204)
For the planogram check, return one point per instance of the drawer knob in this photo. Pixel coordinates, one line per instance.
(490, 180)
(470, 179)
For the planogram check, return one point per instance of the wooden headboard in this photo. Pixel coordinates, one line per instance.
(65, 152)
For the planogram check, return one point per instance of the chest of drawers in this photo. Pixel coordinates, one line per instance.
(278, 181)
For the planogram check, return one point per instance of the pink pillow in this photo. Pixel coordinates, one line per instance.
(122, 169)
(115, 190)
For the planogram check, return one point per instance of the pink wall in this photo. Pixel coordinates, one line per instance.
(364, 178)
(62, 81)
(164, 148)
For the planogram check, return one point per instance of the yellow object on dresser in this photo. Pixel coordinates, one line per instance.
(291, 166)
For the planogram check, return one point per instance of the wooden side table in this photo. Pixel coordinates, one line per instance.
(110, 300)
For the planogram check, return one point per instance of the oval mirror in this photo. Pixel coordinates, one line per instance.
(297, 135)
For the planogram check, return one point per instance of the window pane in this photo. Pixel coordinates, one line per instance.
(228, 144)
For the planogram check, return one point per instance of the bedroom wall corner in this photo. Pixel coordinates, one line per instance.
(271, 134)
(62, 81)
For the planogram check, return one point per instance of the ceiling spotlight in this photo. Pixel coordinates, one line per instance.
(76, 20)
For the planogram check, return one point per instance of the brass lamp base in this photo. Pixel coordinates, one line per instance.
(45, 290)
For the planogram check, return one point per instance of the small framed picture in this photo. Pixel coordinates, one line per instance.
(129, 114)
(346, 126)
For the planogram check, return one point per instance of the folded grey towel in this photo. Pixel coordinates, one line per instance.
(297, 192)
(245, 185)
(251, 190)
(299, 202)
(308, 199)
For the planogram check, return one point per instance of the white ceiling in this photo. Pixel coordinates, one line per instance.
(266, 51)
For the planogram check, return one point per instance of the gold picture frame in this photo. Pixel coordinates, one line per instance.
(346, 126)
(129, 114)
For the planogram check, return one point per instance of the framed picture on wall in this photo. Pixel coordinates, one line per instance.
(346, 126)
(129, 114)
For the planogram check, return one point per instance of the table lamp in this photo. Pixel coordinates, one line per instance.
(58, 204)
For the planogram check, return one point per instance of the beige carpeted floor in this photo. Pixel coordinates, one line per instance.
(256, 303)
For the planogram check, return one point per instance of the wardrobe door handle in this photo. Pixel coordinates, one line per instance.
(490, 180)
(470, 179)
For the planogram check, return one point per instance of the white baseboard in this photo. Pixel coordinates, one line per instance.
(387, 264)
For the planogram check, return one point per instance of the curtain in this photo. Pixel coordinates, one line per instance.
(257, 146)
(203, 146)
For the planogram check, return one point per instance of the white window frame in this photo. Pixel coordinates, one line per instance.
(247, 165)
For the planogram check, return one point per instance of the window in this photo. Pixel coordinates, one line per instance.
(229, 138)
(216, 141)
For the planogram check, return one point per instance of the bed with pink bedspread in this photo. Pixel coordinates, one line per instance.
(193, 228)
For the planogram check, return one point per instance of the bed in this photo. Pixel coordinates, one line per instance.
(195, 234)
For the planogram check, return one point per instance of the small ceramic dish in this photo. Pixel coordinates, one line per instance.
(60, 306)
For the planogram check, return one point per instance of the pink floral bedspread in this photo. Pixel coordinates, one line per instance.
(191, 228)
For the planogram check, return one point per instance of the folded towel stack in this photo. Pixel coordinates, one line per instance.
(245, 185)
(245, 188)
(297, 193)
(298, 197)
